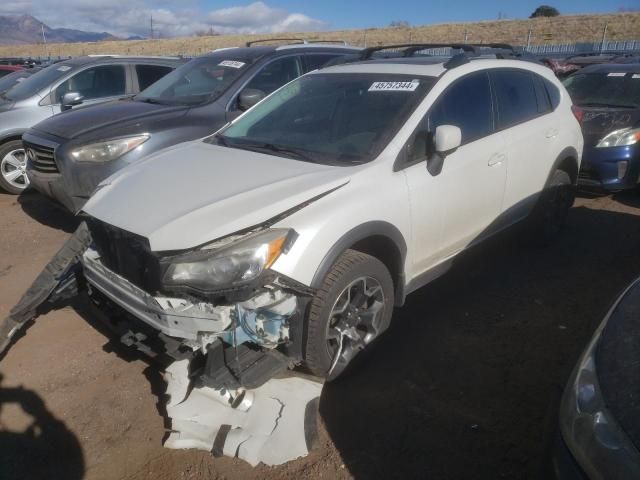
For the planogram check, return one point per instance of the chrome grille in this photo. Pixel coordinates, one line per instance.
(41, 158)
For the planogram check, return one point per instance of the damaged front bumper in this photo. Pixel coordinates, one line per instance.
(234, 345)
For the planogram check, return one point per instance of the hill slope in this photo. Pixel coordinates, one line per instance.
(25, 29)
(563, 29)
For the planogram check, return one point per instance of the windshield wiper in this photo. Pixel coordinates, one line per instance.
(272, 148)
(607, 105)
(151, 100)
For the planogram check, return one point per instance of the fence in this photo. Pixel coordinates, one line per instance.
(621, 46)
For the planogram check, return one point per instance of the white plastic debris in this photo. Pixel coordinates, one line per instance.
(271, 424)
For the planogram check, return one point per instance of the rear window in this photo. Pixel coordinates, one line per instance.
(516, 97)
(150, 74)
(604, 89)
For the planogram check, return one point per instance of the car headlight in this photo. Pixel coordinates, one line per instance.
(620, 138)
(230, 265)
(109, 150)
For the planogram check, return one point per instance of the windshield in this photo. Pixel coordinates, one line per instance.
(621, 90)
(13, 78)
(37, 82)
(329, 118)
(198, 81)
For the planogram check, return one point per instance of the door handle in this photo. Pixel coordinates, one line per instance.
(552, 132)
(497, 159)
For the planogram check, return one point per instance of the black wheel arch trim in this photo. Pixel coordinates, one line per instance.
(567, 153)
(357, 234)
(12, 135)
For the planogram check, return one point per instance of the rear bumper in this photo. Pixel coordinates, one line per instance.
(601, 168)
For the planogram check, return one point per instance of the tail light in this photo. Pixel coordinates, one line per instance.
(577, 112)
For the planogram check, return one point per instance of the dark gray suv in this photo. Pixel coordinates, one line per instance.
(68, 155)
(74, 83)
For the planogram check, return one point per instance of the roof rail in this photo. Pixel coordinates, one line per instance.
(408, 49)
(264, 40)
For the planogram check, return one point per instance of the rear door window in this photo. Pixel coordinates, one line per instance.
(516, 97)
(467, 105)
(97, 82)
(542, 97)
(150, 74)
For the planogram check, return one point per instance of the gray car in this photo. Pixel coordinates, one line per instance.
(73, 83)
(70, 154)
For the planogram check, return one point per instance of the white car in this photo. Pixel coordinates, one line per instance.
(290, 235)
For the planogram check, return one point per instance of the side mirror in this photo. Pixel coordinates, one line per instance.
(444, 142)
(249, 97)
(447, 139)
(70, 99)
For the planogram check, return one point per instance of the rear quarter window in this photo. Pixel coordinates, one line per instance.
(554, 93)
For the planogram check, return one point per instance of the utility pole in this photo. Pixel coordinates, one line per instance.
(529, 40)
(151, 29)
(466, 36)
(604, 36)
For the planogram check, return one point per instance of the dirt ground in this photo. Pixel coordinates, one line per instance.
(466, 383)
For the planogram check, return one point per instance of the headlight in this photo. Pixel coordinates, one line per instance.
(620, 138)
(231, 265)
(109, 150)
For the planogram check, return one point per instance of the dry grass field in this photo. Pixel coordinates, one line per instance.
(580, 28)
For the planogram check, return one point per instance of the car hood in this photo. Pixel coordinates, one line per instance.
(125, 116)
(598, 122)
(193, 193)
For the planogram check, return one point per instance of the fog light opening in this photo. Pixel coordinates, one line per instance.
(622, 169)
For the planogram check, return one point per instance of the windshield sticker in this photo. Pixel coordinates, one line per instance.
(616, 74)
(64, 68)
(19, 79)
(231, 63)
(636, 75)
(394, 86)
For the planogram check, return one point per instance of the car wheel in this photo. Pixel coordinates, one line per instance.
(350, 310)
(13, 164)
(550, 213)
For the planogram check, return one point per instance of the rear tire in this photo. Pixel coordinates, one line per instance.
(550, 213)
(13, 161)
(355, 302)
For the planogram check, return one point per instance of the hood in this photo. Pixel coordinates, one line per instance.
(193, 193)
(598, 122)
(117, 118)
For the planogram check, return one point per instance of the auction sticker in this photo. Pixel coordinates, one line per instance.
(617, 74)
(64, 68)
(394, 86)
(231, 63)
(636, 75)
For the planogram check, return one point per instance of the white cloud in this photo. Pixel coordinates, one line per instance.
(170, 18)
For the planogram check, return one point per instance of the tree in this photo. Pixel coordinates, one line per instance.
(545, 11)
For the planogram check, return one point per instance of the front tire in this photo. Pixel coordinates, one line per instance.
(351, 309)
(13, 163)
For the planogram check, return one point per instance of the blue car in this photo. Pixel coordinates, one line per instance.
(607, 103)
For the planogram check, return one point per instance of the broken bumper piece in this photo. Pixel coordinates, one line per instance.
(272, 424)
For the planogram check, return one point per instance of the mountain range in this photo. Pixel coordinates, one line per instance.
(24, 29)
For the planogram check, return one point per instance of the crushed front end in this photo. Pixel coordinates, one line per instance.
(235, 336)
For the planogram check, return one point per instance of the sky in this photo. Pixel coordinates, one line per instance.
(185, 17)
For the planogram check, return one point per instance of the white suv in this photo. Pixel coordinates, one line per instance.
(290, 235)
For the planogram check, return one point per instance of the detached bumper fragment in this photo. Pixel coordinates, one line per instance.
(58, 281)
